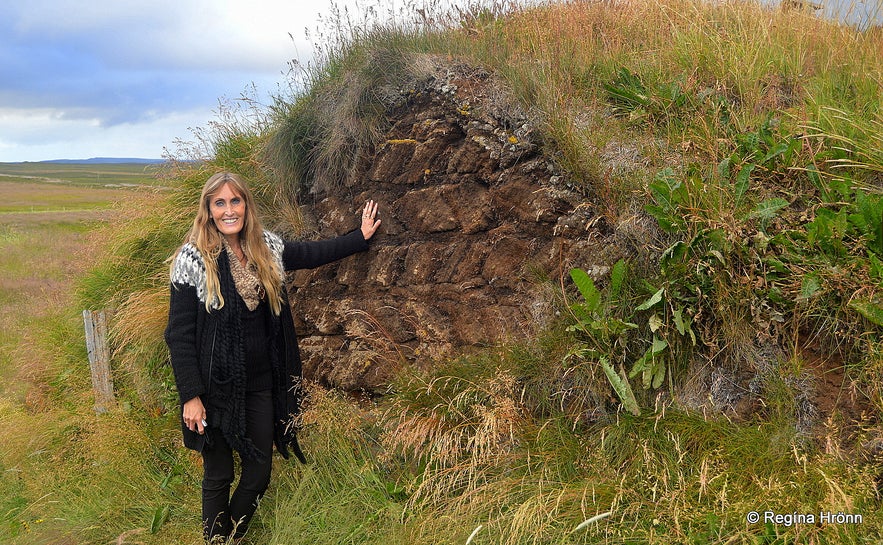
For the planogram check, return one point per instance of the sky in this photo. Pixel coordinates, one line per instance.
(133, 78)
(130, 78)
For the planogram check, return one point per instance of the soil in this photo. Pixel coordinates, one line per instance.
(813, 387)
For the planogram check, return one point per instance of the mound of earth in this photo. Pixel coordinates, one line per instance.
(473, 214)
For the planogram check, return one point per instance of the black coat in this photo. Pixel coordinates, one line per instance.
(202, 343)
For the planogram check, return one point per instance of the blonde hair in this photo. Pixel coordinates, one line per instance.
(209, 241)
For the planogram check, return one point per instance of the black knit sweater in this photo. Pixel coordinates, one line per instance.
(256, 331)
(208, 349)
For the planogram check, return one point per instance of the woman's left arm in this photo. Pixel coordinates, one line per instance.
(314, 253)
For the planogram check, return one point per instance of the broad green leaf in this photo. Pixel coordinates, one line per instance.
(617, 277)
(647, 364)
(658, 345)
(640, 364)
(742, 181)
(869, 309)
(658, 374)
(587, 288)
(621, 386)
(667, 190)
(616, 326)
(668, 194)
(665, 220)
(160, 517)
(647, 375)
(679, 320)
(810, 285)
(775, 265)
(654, 299)
(684, 325)
(673, 254)
(777, 150)
(766, 210)
(582, 315)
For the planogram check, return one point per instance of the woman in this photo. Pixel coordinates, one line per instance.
(233, 347)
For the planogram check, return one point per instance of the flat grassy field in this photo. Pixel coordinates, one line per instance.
(51, 233)
(45, 230)
(29, 197)
(105, 175)
(48, 235)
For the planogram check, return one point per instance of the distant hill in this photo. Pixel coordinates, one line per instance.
(103, 160)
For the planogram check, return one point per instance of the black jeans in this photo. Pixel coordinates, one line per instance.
(221, 512)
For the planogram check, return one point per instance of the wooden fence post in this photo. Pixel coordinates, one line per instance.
(99, 359)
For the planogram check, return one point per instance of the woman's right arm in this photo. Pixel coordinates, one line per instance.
(180, 336)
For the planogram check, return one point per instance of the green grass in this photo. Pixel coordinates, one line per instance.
(30, 197)
(102, 175)
(757, 137)
(671, 477)
(39, 260)
(64, 472)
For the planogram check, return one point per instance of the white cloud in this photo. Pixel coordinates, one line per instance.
(201, 34)
(40, 134)
(129, 77)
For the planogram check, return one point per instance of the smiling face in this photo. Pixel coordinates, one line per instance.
(227, 208)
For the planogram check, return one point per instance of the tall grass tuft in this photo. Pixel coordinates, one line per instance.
(344, 494)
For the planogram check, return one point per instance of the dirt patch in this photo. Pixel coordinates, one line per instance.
(843, 412)
(830, 390)
(812, 387)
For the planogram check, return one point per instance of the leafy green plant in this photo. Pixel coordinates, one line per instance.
(630, 96)
(627, 91)
(670, 194)
(594, 317)
(667, 310)
(594, 314)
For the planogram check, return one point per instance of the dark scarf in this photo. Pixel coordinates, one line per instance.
(229, 362)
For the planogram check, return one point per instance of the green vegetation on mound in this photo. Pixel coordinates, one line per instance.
(751, 138)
